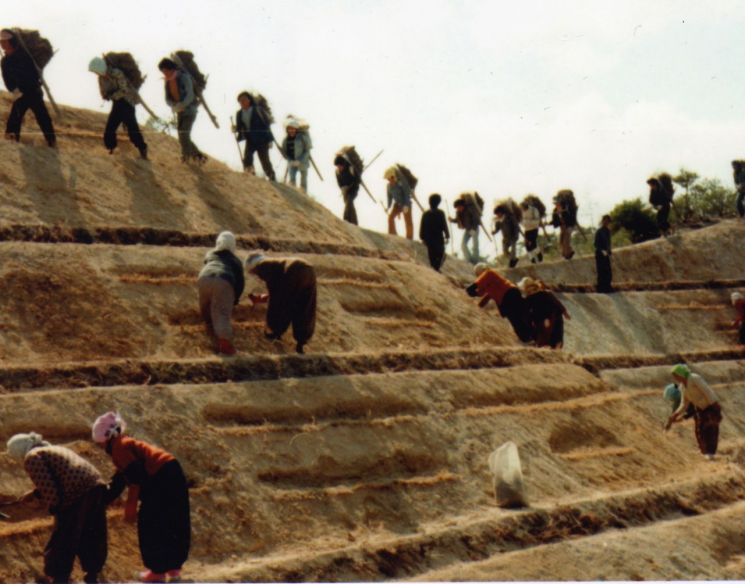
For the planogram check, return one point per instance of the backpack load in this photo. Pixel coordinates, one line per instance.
(349, 154)
(303, 129)
(38, 48)
(263, 105)
(186, 60)
(565, 198)
(533, 201)
(408, 176)
(510, 208)
(739, 173)
(474, 204)
(126, 63)
(667, 188)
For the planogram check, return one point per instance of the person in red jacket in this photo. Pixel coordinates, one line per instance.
(492, 286)
(155, 479)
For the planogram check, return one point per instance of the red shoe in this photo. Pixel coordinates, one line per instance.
(173, 574)
(150, 576)
(225, 347)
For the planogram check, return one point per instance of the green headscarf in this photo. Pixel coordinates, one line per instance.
(682, 370)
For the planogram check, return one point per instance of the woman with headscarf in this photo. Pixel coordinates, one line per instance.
(547, 313)
(72, 490)
(221, 284)
(291, 285)
(154, 478)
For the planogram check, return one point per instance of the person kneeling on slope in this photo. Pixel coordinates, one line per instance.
(154, 478)
(291, 285)
(491, 286)
(221, 284)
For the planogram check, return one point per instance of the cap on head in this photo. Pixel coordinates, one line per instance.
(389, 173)
(225, 242)
(19, 445)
(681, 370)
(292, 123)
(253, 259)
(480, 268)
(107, 426)
(97, 66)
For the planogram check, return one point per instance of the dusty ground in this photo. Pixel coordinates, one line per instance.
(366, 458)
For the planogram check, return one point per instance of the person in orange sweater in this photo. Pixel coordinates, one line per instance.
(492, 286)
(155, 478)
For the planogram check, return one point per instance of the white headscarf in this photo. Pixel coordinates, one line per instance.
(106, 426)
(97, 66)
(225, 241)
(20, 444)
(253, 259)
(736, 297)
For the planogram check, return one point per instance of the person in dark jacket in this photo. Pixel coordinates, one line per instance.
(349, 183)
(252, 127)
(507, 222)
(154, 479)
(547, 313)
(660, 197)
(182, 99)
(291, 283)
(221, 284)
(433, 231)
(602, 255)
(22, 80)
(738, 171)
(73, 492)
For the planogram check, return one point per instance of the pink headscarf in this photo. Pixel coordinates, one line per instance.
(108, 425)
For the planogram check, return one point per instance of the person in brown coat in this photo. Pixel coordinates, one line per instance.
(291, 283)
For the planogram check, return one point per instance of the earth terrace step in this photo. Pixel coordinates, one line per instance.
(484, 537)
(263, 367)
(596, 363)
(652, 286)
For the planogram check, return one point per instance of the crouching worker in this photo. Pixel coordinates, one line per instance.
(221, 284)
(155, 479)
(547, 313)
(291, 284)
(491, 286)
(72, 490)
(707, 411)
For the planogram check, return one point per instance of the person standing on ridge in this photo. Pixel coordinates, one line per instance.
(603, 255)
(182, 99)
(73, 491)
(738, 168)
(399, 201)
(433, 231)
(115, 86)
(296, 149)
(221, 282)
(349, 178)
(565, 219)
(468, 210)
(533, 213)
(155, 479)
(490, 285)
(252, 125)
(292, 296)
(507, 217)
(24, 83)
(707, 411)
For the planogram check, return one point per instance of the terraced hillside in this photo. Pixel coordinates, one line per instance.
(364, 459)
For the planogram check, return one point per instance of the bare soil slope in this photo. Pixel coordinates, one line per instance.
(366, 458)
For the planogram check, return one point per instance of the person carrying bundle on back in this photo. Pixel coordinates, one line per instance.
(296, 149)
(252, 124)
(400, 191)
(182, 99)
(490, 285)
(738, 168)
(22, 79)
(433, 231)
(533, 213)
(565, 219)
(468, 210)
(120, 84)
(349, 169)
(661, 193)
(507, 217)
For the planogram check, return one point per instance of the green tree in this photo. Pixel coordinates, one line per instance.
(686, 179)
(636, 218)
(709, 198)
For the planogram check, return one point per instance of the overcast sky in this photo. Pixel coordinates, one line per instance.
(501, 97)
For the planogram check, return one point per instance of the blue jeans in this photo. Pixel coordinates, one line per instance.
(471, 256)
(303, 177)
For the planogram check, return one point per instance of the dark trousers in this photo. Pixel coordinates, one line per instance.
(550, 331)
(163, 522)
(34, 102)
(436, 252)
(294, 305)
(605, 272)
(263, 152)
(185, 122)
(741, 201)
(515, 309)
(707, 428)
(123, 112)
(531, 240)
(741, 335)
(350, 213)
(79, 530)
(663, 213)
